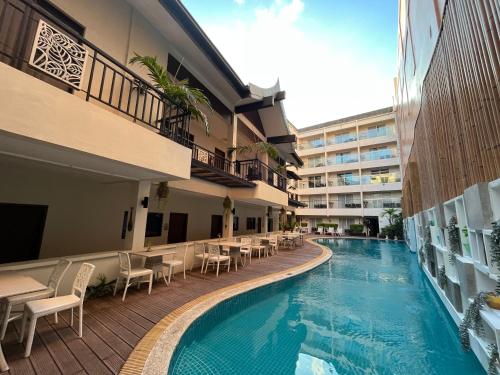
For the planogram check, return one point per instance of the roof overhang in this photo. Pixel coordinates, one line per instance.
(291, 175)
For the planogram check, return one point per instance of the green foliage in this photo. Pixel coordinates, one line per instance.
(421, 254)
(180, 93)
(395, 229)
(453, 239)
(303, 224)
(227, 203)
(493, 360)
(472, 319)
(101, 289)
(441, 277)
(391, 214)
(257, 149)
(356, 228)
(495, 250)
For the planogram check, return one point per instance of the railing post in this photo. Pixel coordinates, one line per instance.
(91, 77)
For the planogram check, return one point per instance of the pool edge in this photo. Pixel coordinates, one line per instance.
(154, 351)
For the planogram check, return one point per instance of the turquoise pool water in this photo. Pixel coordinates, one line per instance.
(369, 310)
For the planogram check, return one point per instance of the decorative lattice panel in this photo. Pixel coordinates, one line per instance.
(57, 55)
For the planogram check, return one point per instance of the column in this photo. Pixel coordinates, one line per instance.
(134, 239)
(227, 220)
(232, 140)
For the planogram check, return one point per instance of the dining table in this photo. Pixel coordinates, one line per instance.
(233, 251)
(12, 284)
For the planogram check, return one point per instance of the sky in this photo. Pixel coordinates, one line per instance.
(334, 58)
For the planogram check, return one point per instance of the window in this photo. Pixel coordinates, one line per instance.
(316, 181)
(154, 224)
(250, 223)
(236, 223)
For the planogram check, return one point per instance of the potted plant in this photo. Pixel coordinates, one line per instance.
(493, 359)
(453, 239)
(162, 193)
(441, 277)
(179, 92)
(472, 319)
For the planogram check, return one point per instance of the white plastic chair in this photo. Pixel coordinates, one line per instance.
(246, 250)
(171, 263)
(257, 246)
(43, 307)
(200, 252)
(51, 291)
(273, 244)
(340, 232)
(214, 256)
(128, 273)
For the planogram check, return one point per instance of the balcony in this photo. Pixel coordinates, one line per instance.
(86, 71)
(214, 168)
(386, 178)
(255, 170)
(375, 133)
(310, 145)
(343, 138)
(383, 203)
(293, 200)
(344, 159)
(377, 155)
(344, 181)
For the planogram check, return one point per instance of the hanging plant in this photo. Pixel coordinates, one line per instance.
(495, 250)
(453, 239)
(441, 278)
(421, 255)
(472, 319)
(493, 360)
(427, 242)
(227, 203)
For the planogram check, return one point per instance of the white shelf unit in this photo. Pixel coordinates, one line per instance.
(494, 190)
(462, 226)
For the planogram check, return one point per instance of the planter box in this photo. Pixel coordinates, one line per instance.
(453, 294)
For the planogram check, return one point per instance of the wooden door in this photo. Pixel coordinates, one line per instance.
(177, 227)
(259, 225)
(216, 226)
(21, 231)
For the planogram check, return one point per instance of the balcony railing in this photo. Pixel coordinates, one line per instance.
(383, 203)
(344, 181)
(255, 170)
(347, 203)
(317, 204)
(90, 73)
(209, 158)
(311, 184)
(380, 178)
(310, 145)
(314, 164)
(344, 159)
(374, 133)
(378, 155)
(343, 138)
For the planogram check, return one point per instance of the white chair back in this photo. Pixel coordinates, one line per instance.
(179, 249)
(255, 241)
(82, 279)
(58, 273)
(124, 259)
(213, 249)
(273, 240)
(246, 240)
(200, 248)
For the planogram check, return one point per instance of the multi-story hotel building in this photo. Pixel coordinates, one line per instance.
(351, 171)
(87, 143)
(448, 117)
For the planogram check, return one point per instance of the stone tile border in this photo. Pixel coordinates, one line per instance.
(153, 353)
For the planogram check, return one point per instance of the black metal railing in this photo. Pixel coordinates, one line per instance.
(255, 170)
(105, 80)
(209, 158)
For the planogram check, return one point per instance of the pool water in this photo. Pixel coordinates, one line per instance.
(369, 310)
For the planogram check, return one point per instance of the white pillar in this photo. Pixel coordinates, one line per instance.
(135, 238)
(227, 220)
(232, 139)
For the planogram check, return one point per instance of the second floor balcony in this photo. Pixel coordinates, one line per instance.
(378, 155)
(344, 181)
(343, 159)
(386, 178)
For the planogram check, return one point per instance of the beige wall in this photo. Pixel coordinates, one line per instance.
(85, 211)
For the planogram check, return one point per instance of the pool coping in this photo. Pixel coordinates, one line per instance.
(153, 353)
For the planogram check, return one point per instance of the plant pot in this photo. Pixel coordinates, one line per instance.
(493, 302)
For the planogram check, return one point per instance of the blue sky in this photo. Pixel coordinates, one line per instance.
(334, 58)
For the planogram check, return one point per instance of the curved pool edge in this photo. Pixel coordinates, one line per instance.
(153, 353)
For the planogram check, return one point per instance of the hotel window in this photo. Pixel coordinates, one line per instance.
(316, 181)
(250, 223)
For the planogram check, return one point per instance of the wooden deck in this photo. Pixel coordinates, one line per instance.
(112, 327)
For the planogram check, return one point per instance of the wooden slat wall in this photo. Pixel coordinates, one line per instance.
(457, 134)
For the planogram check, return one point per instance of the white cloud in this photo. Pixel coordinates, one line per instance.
(323, 82)
(239, 2)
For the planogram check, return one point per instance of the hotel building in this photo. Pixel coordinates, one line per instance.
(87, 143)
(351, 171)
(448, 117)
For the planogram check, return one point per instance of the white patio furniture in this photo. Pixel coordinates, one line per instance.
(257, 246)
(273, 244)
(340, 232)
(200, 252)
(246, 250)
(12, 284)
(132, 275)
(215, 257)
(20, 299)
(43, 307)
(172, 263)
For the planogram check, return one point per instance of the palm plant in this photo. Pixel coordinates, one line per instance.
(256, 148)
(391, 214)
(179, 92)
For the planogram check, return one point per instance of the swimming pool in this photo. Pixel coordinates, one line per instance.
(368, 310)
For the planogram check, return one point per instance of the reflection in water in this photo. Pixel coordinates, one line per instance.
(367, 311)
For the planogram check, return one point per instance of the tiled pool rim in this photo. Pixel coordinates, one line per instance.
(153, 353)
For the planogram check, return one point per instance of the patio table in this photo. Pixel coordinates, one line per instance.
(154, 259)
(12, 284)
(234, 250)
